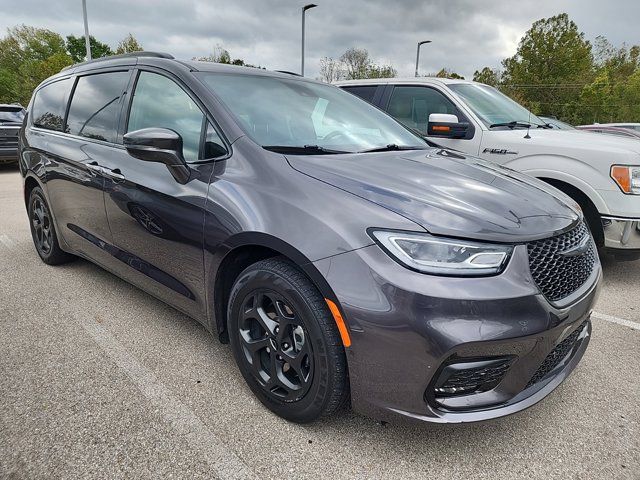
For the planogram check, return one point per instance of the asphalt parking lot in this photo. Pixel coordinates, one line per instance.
(101, 380)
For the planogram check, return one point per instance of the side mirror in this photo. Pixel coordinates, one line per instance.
(445, 125)
(159, 145)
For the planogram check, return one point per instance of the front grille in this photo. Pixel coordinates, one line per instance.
(557, 355)
(558, 275)
(470, 377)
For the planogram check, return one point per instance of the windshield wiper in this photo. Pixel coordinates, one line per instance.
(511, 125)
(302, 149)
(392, 147)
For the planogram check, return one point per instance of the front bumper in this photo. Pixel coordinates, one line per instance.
(621, 233)
(405, 326)
(8, 154)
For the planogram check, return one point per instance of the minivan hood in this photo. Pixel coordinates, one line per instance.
(448, 193)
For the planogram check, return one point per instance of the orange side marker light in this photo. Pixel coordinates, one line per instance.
(342, 327)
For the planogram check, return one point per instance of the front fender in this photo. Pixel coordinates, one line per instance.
(577, 173)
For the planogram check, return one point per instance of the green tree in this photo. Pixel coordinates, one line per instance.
(355, 63)
(221, 55)
(553, 60)
(488, 76)
(381, 71)
(128, 44)
(446, 73)
(28, 55)
(77, 49)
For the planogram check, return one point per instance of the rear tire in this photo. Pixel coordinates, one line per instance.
(286, 343)
(43, 230)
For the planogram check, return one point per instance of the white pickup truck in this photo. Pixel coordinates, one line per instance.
(600, 172)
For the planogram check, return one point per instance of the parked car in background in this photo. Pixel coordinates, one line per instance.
(629, 125)
(11, 116)
(599, 172)
(557, 124)
(618, 131)
(341, 256)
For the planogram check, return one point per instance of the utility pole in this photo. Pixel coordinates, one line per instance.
(86, 29)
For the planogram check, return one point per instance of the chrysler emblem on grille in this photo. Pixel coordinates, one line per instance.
(577, 249)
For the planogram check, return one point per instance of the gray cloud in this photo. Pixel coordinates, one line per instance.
(466, 34)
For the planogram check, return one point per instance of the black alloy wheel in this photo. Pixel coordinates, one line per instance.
(41, 224)
(286, 342)
(43, 230)
(276, 346)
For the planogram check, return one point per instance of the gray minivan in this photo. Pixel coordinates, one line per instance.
(343, 258)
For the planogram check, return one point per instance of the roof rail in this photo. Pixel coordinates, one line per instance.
(122, 55)
(289, 73)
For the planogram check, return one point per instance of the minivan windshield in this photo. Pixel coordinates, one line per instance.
(495, 109)
(300, 117)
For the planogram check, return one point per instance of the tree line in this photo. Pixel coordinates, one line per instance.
(555, 70)
(28, 55)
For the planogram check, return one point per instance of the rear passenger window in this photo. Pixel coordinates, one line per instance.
(160, 102)
(365, 92)
(50, 105)
(95, 106)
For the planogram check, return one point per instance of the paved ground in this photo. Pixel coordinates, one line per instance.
(100, 380)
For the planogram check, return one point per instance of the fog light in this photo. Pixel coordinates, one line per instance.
(468, 377)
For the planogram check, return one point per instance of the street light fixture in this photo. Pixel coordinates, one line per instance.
(418, 53)
(304, 10)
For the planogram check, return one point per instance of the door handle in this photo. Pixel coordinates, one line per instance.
(114, 174)
(94, 167)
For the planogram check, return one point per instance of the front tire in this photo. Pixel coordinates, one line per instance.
(286, 343)
(43, 230)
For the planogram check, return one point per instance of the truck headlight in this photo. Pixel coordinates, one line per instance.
(440, 256)
(627, 178)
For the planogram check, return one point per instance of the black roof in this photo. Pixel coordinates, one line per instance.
(154, 58)
(122, 55)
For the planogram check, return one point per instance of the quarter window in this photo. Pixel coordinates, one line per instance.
(160, 102)
(213, 144)
(365, 92)
(95, 106)
(50, 105)
(412, 106)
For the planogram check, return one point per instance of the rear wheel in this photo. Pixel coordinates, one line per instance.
(43, 230)
(286, 343)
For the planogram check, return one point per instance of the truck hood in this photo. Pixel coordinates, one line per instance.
(571, 143)
(448, 193)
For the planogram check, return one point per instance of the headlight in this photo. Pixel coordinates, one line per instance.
(440, 256)
(627, 178)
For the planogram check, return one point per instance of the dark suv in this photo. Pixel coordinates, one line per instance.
(11, 117)
(342, 257)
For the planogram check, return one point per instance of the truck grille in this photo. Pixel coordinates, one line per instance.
(557, 355)
(556, 271)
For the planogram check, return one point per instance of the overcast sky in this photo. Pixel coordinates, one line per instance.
(466, 34)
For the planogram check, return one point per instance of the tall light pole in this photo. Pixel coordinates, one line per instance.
(87, 44)
(304, 10)
(418, 53)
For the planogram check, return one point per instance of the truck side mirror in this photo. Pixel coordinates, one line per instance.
(445, 125)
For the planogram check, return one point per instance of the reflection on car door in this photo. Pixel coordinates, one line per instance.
(74, 184)
(152, 216)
